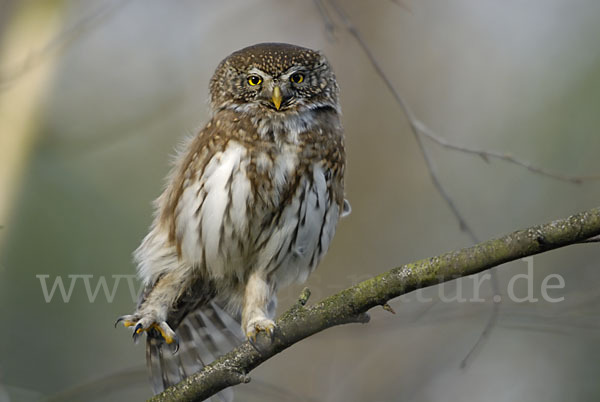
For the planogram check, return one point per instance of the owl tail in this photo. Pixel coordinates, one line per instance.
(204, 334)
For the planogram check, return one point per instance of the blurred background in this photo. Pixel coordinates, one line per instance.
(95, 95)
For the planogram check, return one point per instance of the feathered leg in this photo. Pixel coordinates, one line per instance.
(258, 310)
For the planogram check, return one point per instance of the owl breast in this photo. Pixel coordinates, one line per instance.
(256, 210)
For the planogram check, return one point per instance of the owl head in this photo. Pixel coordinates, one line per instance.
(274, 78)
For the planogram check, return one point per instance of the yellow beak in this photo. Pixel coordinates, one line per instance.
(277, 97)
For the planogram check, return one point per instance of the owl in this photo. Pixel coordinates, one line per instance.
(251, 205)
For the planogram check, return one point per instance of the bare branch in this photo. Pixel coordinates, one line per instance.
(409, 115)
(487, 155)
(351, 305)
(327, 21)
(487, 330)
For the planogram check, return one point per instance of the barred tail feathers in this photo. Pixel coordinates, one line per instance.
(204, 335)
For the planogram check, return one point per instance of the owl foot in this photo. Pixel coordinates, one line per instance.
(259, 325)
(148, 323)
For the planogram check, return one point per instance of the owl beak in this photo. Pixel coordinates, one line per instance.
(276, 98)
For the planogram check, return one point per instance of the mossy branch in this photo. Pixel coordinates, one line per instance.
(351, 305)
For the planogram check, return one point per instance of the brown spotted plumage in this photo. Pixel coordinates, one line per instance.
(251, 206)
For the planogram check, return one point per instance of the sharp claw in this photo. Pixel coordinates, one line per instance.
(128, 320)
(167, 333)
(176, 349)
(251, 336)
(156, 329)
(252, 341)
(389, 308)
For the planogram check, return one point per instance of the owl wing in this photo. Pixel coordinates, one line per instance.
(204, 333)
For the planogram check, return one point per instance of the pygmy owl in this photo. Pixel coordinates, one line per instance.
(251, 205)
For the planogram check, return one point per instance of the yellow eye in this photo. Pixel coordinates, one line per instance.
(297, 78)
(254, 80)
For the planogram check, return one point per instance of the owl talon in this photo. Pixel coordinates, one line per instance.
(270, 330)
(252, 330)
(176, 346)
(128, 320)
(145, 324)
(135, 336)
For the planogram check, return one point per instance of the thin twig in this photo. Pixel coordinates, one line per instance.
(487, 155)
(327, 21)
(409, 115)
(487, 330)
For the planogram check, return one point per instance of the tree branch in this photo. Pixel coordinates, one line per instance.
(351, 305)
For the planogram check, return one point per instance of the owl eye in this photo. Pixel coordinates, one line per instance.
(254, 80)
(297, 78)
